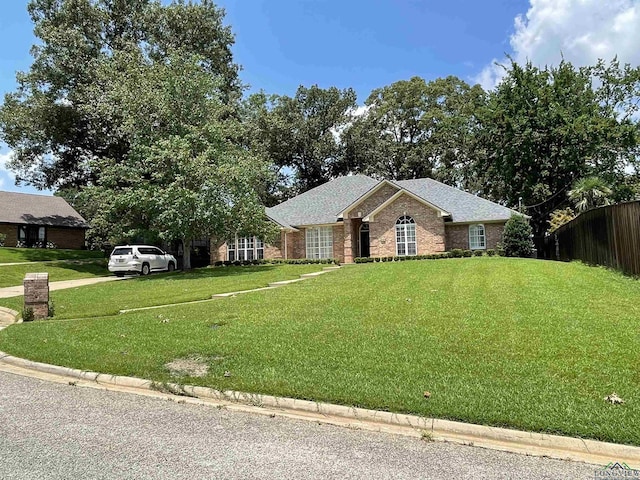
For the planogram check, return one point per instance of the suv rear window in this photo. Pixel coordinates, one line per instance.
(122, 251)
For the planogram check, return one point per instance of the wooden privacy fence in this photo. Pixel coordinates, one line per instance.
(607, 236)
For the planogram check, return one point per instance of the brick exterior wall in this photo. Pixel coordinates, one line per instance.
(369, 204)
(275, 250)
(338, 243)
(217, 250)
(296, 244)
(430, 230)
(72, 238)
(11, 231)
(457, 236)
(36, 294)
(349, 240)
(66, 237)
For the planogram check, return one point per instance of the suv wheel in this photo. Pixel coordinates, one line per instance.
(171, 267)
(146, 270)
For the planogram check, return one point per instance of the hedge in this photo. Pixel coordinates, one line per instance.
(276, 261)
(455, 253)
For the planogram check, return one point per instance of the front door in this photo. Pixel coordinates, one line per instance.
(32, 235)
(364, 240)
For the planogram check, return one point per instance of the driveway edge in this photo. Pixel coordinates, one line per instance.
(516, 441)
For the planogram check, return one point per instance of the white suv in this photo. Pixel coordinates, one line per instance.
(142, 259)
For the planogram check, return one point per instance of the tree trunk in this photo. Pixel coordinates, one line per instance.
(186, 254)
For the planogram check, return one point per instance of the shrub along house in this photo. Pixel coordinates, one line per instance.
(358, 216)
(34, 220)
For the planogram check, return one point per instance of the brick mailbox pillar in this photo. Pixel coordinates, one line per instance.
(36, 294)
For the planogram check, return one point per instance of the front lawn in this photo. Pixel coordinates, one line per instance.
(12, 275)
(16, 255)
(162, 289)
(526, 344)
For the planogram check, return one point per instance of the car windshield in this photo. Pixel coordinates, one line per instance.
(122, 251)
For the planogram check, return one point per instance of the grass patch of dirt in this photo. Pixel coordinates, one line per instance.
(193, 366)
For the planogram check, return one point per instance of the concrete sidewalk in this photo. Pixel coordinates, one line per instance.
(17, 291)
(78, 260)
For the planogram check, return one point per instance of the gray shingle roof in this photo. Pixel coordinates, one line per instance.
(463, 206)
(323, 204)
(28, 209)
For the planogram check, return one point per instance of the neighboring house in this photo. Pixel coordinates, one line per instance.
(358, 216)
(37, 219)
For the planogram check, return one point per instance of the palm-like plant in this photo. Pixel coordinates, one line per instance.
(590, 192)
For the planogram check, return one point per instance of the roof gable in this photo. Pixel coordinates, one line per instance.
(399, 193)
(372, 191)
(29, 209)
(323, 204)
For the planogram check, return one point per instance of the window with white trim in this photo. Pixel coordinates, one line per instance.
(477, 237)
(245, 248)
(406, 236)
(319, 242)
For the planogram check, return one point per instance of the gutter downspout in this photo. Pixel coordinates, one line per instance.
(285, 246)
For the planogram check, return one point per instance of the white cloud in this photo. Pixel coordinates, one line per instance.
(360, 110)
(353, 113)
(8, 178)
(4, 158)
(581, 31)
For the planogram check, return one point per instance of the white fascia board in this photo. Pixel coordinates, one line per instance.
(320, 225)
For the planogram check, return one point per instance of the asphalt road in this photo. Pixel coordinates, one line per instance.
(58, 431)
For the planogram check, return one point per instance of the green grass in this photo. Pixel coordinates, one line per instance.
(526, 344)
(16, 255)
(12, 275)
(161, 289)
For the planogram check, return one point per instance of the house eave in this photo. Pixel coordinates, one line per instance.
(312, 225)
(474, 222)
(42, 224)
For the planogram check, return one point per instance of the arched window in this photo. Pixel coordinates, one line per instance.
(405, 236)
(477, 238)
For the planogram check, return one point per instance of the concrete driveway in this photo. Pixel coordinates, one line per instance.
(59, 431)
(17, 291)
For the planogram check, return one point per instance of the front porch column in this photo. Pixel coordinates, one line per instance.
(348, 241)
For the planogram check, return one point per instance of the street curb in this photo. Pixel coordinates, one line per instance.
(516, 441)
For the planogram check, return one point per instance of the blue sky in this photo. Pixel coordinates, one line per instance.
(366, 44)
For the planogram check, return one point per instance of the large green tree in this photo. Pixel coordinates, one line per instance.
(299, 135)
(544, 128)
(413, 128)
(185, 175)
(46, 122)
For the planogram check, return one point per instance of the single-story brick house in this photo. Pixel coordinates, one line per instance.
(358, 216)
(38, 219)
